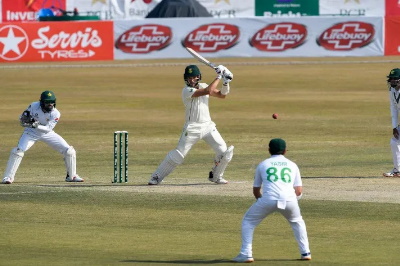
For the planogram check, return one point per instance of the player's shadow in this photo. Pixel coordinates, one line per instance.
(218, 261)
(80, 185)
(179, 261)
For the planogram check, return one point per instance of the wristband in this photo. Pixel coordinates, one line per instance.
(225, 89)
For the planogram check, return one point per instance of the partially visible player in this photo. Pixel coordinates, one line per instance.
(39, 120)
(393, 82)
(282, 187)
(198, 125)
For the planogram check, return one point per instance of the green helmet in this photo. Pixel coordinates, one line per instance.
(394, 73)
(45, 98)
(191, 71)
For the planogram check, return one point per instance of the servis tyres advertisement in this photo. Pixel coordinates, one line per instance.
(53, 41)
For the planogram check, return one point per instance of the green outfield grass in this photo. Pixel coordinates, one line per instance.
(59, 226)
(333, 112)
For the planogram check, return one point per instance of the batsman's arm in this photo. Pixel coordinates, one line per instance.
(210, 89)
(213, 89)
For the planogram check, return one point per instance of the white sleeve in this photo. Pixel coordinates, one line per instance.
(51, 124)
(257, 177)
(393, 110)
(44, 129)
(297, 182)
(188, 92)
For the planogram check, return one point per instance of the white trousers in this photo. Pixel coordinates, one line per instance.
(52, 139)
(208, 132)
(260, 210)
(395, 148)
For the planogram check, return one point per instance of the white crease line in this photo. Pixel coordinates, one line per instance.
(27, 192)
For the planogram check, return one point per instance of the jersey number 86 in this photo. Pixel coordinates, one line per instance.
(284, 174)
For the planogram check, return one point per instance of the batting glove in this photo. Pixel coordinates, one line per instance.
(220, 69)
(227, 75)
(226, 80)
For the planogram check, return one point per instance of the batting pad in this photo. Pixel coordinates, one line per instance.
(70, 161)
(219, 169)
(13, 162)
(172, 160)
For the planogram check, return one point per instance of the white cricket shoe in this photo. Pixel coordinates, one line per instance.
(393, 173)
(218, 181)
(221, 181)
(243, 258)
(306, 256)
(74, 179)
(7, 180)
(154, 180)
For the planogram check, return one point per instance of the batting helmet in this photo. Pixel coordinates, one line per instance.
(192, 71)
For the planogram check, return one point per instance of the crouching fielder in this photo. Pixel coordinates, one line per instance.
(39, 120)
(198, 125)
(281, 188)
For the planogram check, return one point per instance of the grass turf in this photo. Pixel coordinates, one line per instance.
(42, 225)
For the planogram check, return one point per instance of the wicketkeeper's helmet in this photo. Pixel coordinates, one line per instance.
(394, 74)
(47, 97)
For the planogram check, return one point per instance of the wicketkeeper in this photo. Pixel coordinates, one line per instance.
(39, 120)
(394, 97)
(198, 125)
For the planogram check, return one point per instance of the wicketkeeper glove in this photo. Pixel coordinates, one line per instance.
(35, 124)
(26, 120)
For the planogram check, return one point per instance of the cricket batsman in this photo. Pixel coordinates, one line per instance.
(198, 125)
(39, 120)
(394, 97)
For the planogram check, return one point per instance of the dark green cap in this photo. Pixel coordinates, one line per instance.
(192, 71)
(48, 96)
(277, 145)
(394, 73)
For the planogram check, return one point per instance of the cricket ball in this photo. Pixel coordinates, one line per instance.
(275, 116)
